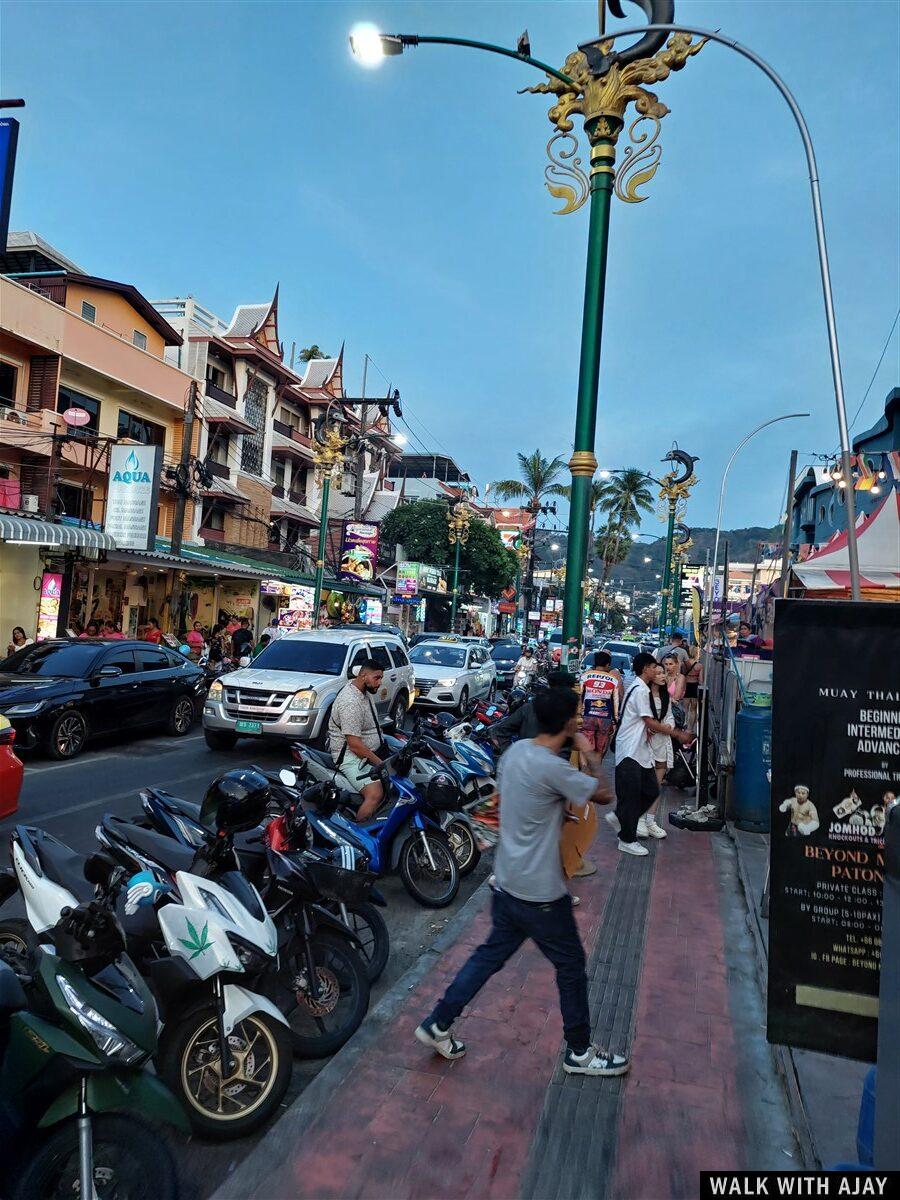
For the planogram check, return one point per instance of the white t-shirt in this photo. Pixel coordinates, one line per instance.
(632, 740)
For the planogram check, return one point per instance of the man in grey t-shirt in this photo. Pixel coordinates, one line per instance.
(530, 899)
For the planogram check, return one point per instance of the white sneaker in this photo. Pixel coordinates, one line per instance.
(612, 820)
(643, 827)
(654, 829)
(633, 848)
(595, 1061)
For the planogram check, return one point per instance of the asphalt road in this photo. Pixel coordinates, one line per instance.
(69, 798)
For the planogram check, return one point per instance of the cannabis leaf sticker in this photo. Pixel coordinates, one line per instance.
(198, 942)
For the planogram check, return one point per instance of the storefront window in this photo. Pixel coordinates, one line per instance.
(139, 429)
(69, 398)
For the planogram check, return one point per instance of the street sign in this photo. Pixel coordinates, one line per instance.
(835, 777)
(76, 416)
(132, 500)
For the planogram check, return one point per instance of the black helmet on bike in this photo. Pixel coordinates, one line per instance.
(236, 801)
(443, 794)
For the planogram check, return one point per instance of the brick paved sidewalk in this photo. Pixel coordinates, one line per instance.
(670, 974)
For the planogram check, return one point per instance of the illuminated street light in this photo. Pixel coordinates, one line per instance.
(370, 47)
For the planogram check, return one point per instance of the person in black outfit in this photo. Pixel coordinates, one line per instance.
(242, 640)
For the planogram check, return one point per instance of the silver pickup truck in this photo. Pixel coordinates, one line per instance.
(288, 690)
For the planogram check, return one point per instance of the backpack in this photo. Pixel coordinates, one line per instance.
(615, 732)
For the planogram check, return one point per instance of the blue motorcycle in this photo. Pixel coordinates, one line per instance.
(405, 835)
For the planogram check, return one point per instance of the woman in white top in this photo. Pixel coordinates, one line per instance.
(660, 748)
(18, 640)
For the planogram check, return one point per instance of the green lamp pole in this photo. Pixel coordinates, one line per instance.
(459, 518)
(599, 85)
(320, 552)
(667, 569)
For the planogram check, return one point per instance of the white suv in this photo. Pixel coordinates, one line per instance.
(288, 690)
(451, 673)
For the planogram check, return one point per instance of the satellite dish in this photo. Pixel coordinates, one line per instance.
(76, 416)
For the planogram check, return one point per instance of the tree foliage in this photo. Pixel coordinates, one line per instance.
(486, 567)
(538, 477)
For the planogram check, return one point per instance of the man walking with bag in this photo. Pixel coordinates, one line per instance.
(530, 898)
(354, 735)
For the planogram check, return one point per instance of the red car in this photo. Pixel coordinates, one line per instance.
(11, 770)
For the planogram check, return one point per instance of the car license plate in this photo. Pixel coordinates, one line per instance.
(248, 727)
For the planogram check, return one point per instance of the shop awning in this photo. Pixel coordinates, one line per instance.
(49, 533)
(878, 545)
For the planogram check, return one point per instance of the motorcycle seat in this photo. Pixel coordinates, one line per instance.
(161, 849)
(62, 865)
(440, 748)
(322, 757)
(187, 808)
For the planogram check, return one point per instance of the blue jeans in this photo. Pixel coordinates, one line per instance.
(552, 928)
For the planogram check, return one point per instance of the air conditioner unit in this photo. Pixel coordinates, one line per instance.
(30, 504)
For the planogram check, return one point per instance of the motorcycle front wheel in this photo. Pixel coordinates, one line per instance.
(227, 1105)
(428, 869)
(321, 1024)
(131, 1162)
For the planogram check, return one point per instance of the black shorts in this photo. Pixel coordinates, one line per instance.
(690, 690)
(636, 784)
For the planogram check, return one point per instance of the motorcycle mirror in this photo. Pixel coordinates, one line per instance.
(288, 777)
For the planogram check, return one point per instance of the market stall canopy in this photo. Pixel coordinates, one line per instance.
(878, 540)
(49, 533)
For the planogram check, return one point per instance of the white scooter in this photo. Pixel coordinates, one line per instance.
(225, 1051)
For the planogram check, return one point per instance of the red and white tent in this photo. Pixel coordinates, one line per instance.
(878, 542)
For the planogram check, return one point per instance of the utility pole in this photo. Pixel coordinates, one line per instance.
(183, 483)
(361, 453)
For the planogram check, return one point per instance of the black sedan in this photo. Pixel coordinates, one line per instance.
(61, 693)
(505, 656)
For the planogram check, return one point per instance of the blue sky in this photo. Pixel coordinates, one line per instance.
(214, 149)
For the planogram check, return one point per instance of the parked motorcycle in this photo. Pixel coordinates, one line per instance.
(355, 903)
(406, 836)
(77, 1028)
(320, 981)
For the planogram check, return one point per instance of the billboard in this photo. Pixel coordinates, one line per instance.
(132, 499)
(48, 609)
(359, 551)
(407, 579)
(835, 778)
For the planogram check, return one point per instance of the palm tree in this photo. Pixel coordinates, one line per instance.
(538, 478)
(623, 498)
(310, 352)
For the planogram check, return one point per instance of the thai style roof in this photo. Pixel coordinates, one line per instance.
(257, 323)
(326, 374)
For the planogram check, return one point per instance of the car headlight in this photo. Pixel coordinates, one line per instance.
(446, 682)
(215, 690)
(25, 710)
(108, 1040)
(304, 699)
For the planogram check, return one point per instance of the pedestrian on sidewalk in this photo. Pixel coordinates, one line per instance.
(530, 898)
(600, 701)
(636, 784)
(662, 708)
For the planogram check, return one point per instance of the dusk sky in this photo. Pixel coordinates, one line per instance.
(217, 149)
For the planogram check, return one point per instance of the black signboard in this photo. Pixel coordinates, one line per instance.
(835, 775)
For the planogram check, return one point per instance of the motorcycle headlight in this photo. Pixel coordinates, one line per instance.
(108, 1040)
(215, 690)
(252, 958)
(214, 904)
(304, 699)
(25, 710)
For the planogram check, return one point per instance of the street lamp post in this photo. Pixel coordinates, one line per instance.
(599, 85)
(459, 517)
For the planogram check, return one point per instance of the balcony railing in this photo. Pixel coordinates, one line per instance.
(289, 431)
(278, 491)
(220, 470)
(217, 393)
(212, 535)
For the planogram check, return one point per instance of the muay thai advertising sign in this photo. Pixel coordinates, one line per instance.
(835, 777)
